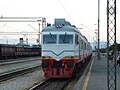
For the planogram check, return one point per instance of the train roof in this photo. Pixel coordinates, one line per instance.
(7, 45)
(62, 28)
(61, 25)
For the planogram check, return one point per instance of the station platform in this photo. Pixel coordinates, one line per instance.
(95, 76)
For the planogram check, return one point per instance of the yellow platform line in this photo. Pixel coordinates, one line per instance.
(87, 77)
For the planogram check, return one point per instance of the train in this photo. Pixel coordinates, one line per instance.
(64, 49)
(8, 51)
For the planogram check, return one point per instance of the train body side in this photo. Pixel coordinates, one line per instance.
(12, 51)
(7, 51)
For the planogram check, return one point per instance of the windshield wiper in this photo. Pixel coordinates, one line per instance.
(52, 38)
(64, 38)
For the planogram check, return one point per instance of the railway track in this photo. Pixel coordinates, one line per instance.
(10, 75)
(51, 84)
(14, 61)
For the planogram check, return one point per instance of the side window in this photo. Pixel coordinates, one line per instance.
(82, 44)
(76, 40)
(85, 46)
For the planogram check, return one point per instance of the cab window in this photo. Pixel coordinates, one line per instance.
(65, 39)
(49, 39)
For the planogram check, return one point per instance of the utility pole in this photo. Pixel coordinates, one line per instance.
(39, 34)
(98, 29)
(111, 40)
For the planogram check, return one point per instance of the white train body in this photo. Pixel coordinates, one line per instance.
(63, 42)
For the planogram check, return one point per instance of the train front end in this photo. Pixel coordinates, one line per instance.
(58, 50)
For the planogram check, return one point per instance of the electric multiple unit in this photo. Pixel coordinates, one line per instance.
(64, 50)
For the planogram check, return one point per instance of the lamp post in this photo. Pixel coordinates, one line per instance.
(96, 40)
(39, 33)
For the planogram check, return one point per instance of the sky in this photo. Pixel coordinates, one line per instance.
(82, 13)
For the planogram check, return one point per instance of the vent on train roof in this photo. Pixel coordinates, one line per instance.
(61, 22)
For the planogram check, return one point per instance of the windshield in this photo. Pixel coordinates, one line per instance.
(49, 39)
(65, 39)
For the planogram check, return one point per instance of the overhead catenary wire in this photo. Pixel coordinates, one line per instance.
(32, 27)
(88, 28)
(17, 31)
(66, 10)
(2, 26)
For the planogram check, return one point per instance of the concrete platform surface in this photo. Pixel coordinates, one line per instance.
(95, 76)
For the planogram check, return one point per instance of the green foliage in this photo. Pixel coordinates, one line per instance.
(112, 47)
(118, 47)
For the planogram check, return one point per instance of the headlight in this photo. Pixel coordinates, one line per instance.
(70, 64)
(45, 64)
